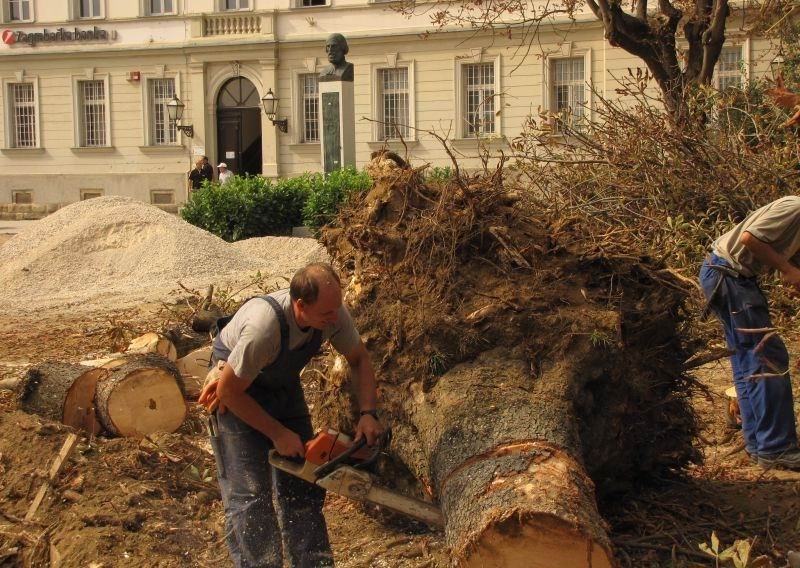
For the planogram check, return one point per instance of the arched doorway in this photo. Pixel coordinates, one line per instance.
(239, 127)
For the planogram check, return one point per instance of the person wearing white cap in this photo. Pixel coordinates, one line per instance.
(224, 173)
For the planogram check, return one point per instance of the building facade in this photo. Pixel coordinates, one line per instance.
(85, 86)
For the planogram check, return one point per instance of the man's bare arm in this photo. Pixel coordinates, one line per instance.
(232, 393)
(766, 254)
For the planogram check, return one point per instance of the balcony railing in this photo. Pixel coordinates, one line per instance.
(231, 24)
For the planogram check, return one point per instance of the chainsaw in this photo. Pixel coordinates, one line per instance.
(339, 465)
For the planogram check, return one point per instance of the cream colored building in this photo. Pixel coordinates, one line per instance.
(85, 85)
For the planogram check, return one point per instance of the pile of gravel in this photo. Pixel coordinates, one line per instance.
(119, 252)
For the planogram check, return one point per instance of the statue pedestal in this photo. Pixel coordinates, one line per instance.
(338, 136)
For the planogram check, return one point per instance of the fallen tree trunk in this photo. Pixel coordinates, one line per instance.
(141, 397)
(63, 392)
(521, 376)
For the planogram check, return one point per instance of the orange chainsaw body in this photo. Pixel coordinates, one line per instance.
(329, 444)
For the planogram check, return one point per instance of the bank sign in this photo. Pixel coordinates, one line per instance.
(61, 35)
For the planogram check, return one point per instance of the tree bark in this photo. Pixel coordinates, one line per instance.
(503, 455)
(63, 392)
(141, 397)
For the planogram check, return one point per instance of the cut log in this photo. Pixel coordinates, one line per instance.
(153, 343)
(113, 360)
(141, 397)
(193, 368)
(63, 392)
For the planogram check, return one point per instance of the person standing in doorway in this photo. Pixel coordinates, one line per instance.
(224, 173)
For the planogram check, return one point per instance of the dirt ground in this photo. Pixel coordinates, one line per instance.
(155, 502)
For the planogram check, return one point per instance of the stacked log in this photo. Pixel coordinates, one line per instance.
(132, 396)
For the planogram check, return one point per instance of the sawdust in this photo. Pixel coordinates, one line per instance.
(115, 252)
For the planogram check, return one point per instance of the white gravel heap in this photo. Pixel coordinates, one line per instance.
(114, 252)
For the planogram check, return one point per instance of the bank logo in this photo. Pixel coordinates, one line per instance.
(9, 37)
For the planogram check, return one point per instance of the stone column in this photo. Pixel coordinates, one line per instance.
(269, 133)
(197, 116)
(337, 112)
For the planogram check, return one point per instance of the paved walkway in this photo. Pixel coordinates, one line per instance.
(13, 227)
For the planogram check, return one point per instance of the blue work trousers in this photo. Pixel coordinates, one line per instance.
(259, 533)
(760, 366)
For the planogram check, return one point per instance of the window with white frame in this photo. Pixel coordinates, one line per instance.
(162, 130)
(478, 81)
(312, 3)
(22, 97)
(17, 10)
(568, 92)
(227, 5)
(160, 7)
(394, 103)
(729, 71)
(89, 8)
(309, 101)
(92, 113)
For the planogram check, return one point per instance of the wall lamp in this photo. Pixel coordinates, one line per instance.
(175, 110)
(270, 103)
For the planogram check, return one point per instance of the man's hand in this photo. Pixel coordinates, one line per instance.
(370, 428)
(209, 398)
(288, 444)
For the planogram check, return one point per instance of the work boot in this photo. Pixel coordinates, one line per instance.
(787, 459)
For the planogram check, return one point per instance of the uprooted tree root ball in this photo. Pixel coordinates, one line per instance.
(521, 374)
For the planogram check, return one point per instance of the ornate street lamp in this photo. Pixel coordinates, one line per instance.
(270, 103)
(175, 111)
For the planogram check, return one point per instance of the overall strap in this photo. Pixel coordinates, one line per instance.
(278, 309)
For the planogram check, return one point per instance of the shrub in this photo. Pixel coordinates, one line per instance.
(249, 206)
(327, 195)
(439, 174)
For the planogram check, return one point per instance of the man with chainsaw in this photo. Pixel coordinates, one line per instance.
(258, 404)
(768, 239)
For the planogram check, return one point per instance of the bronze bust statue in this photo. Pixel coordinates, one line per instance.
(339, 69)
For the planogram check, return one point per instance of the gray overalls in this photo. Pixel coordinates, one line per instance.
(247, 481)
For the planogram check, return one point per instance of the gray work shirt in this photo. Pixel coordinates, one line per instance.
(777, 224)
(253, 336)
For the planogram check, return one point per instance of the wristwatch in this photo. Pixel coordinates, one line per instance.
(373, 413)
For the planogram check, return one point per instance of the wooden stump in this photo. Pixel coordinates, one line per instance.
(141, 397)
(63, 392)
(193, 368)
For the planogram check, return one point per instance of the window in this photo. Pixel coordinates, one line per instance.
(23, 115)
(478, 81)
(160, 7)
(22, 197)
(91, 194)
(162, 197)
(92, 113)
(394, 103)
(309, 89)
(162, 131)
(729, 71)
(89, 9)
(17, 10)
(311, 3)
(235, 4)
(568, 95)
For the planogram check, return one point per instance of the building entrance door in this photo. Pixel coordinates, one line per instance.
(239, 127)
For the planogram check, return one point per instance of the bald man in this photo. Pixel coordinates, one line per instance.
(258, 404)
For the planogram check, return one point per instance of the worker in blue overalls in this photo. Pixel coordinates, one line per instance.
(264, 346)
(768, 239)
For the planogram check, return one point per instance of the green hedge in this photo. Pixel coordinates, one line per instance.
(253, 206)
(328, 194)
